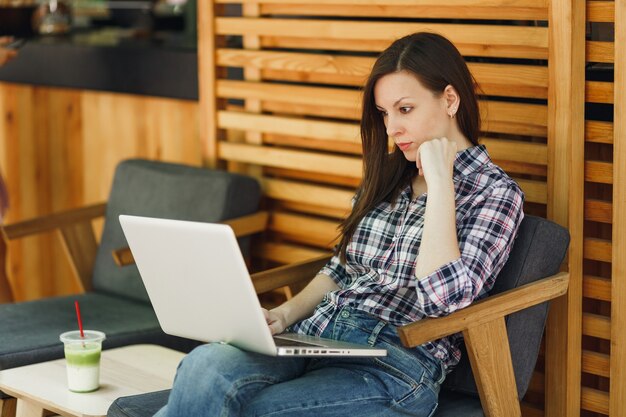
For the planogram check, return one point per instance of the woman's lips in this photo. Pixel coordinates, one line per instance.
(404, 146)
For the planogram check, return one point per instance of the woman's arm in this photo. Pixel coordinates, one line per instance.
(440, 244)
(301, 305)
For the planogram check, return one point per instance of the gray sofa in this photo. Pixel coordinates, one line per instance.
(538, 252)
(118, 304)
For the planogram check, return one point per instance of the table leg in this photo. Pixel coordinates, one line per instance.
(7, 407)
(28, 409)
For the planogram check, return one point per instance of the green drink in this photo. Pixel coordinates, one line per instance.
(82, 355)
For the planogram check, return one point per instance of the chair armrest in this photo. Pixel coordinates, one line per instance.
(53, 221)
(76, 233)
(485, 310)
(288, 274)
(242, 226)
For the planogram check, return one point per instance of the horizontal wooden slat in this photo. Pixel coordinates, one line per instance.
(595, 400)
(600, 11)
(600, 52)
(596, 363)
(532, 153)
(600, 172)
(305, 229)
(597, 249)
(297, 160)
(598, 132)
(306, 208)
(423, 3)
(599, 92)
(284, 253)
(535, 191)
(514, 41)
(598, 211)
(494, 79)
(317, 177)
(306, 193)
(290, 141)
(498, 116)
(313, 129)
(597, 288)
(595, 325)
(413, 10)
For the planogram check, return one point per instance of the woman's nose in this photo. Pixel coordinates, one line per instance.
(393, 127)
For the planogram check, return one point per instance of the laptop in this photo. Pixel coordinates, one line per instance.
(200, 289)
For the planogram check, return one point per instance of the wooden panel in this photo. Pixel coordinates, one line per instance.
(596, 363)
(304, 193)
(600, 11)
(599, 92)
(299, 160)
(494, 79)
(595, 325)
(595, 400)
(600, 51)
(597, 288)
(305, 229)
(600, 172)
(598, 211)
(598, 249)
(432, 10)
(599, 132)
(503, 41)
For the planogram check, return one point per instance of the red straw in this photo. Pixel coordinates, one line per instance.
(80, 322)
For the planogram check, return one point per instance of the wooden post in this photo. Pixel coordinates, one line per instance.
(566, 98)
(207, 68)
(617, 400)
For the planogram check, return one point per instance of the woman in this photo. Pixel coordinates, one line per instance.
(432, 225)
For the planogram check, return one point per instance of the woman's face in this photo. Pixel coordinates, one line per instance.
(413, 114)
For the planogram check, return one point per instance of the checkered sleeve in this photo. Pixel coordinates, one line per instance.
(486, 235)
(336, 271)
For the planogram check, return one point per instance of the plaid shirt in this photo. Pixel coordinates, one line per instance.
(379, 275)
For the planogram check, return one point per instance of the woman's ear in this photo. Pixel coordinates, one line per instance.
(452, 100)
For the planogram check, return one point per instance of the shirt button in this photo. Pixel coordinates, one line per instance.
(394, 238)
(345, 314)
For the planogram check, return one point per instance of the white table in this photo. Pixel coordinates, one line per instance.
(124, 371)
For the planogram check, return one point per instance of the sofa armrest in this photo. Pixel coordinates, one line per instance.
(76, 233)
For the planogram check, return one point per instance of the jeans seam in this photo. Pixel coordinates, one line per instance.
(337, 403)
(401, 375)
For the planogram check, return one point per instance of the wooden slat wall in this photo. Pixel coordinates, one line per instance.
(58, 150)
(291, 119)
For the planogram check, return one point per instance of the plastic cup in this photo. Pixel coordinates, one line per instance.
(82, 355)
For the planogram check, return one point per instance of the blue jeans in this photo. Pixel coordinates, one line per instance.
(219, 380)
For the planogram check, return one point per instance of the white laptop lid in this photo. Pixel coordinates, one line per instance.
(198, 282)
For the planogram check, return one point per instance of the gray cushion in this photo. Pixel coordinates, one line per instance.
(158, 189)
(143, 405)
(537, 253)
(453, 404)
(34, 327)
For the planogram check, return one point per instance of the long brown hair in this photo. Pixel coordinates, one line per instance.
(436, 63)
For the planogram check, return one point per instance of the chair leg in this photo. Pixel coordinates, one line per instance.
(8, 407)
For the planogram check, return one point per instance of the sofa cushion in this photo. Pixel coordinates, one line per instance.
(34, 326)
(159, 189)
(143, 405)
(454, 404)
(538, 251)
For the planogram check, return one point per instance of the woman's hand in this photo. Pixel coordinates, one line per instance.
(275, 321)
(435, 160)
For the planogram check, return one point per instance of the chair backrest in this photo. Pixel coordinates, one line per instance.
(166, 190)
(538, 251)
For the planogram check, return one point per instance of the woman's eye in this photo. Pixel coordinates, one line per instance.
(405, 109)
(383, 113)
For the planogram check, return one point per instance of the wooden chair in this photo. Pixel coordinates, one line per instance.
(114, 300)
(502, 333)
